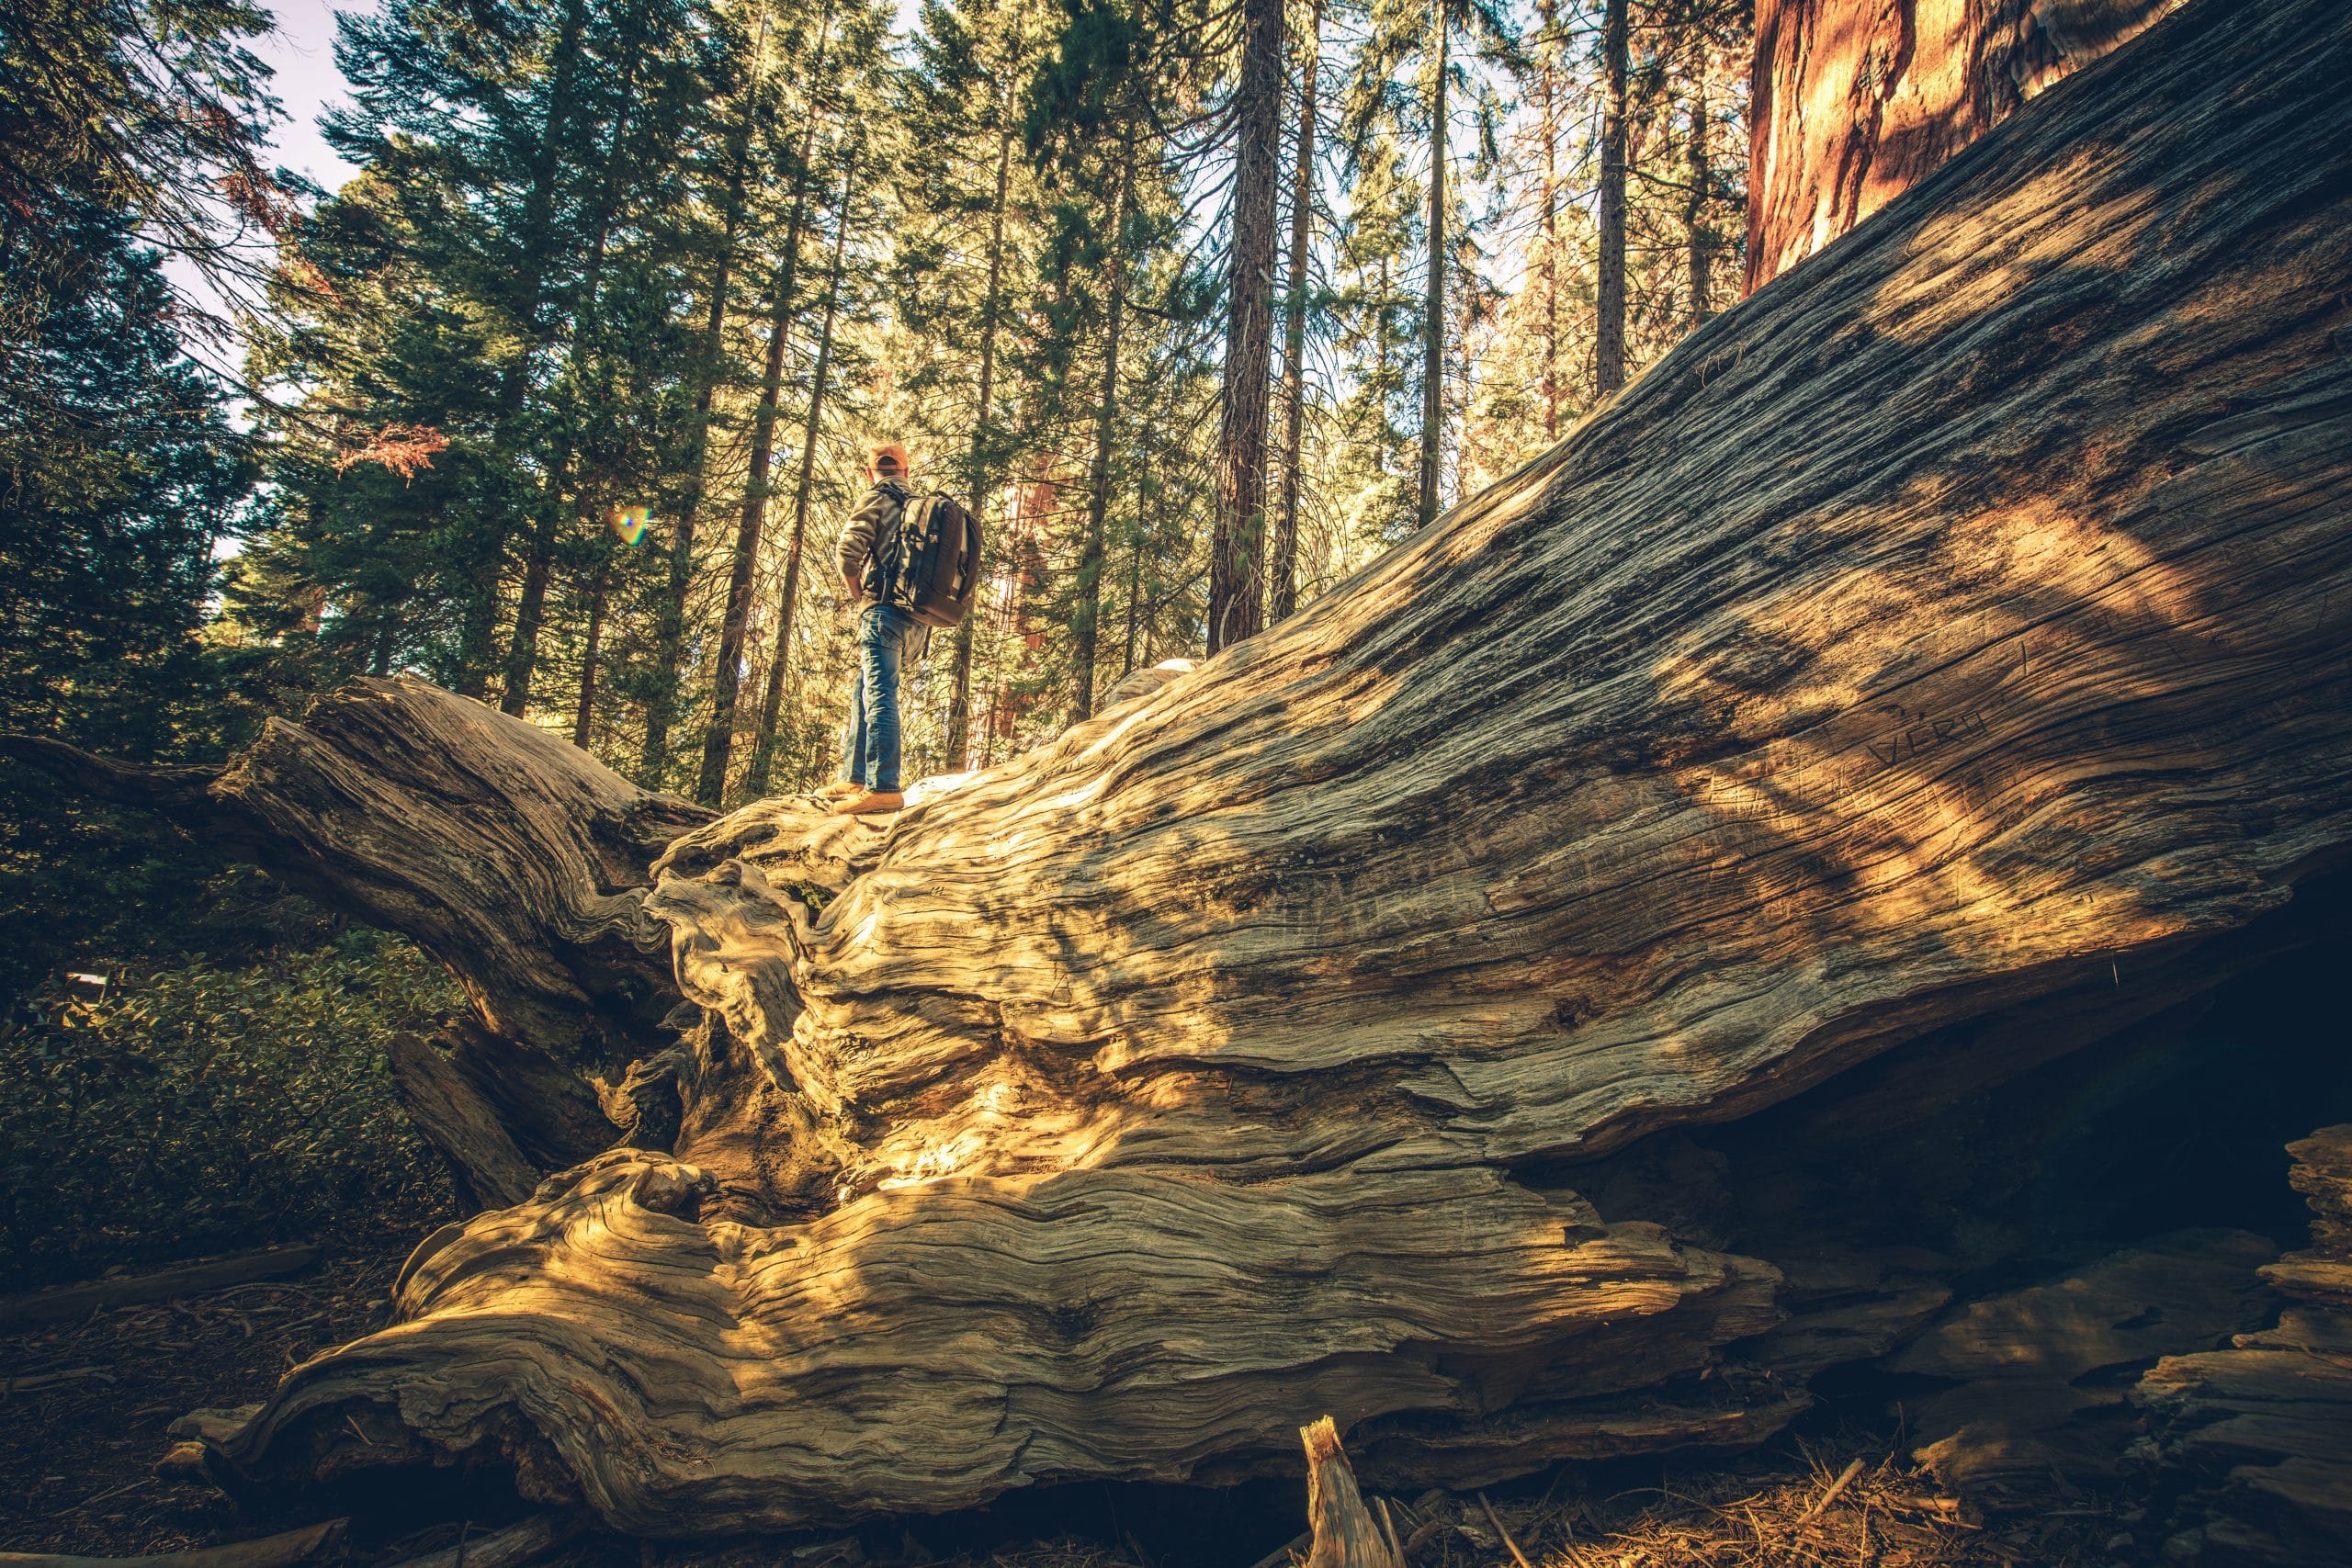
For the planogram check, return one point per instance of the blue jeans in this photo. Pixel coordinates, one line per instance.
(870, 743)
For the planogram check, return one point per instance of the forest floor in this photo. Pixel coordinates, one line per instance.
(85, 1405)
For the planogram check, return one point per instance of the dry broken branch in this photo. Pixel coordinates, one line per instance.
(283, 1550)
(1345, 1534)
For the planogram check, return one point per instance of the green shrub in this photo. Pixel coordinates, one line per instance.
(197, 1108)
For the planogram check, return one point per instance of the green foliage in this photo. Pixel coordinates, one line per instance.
(197, 1108)
(113, 107)
(119, 476)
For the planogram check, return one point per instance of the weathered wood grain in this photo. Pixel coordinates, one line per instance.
(1943, 628)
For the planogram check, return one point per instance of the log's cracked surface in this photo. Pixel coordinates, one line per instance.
(1002, 1310)
(1960, 619)
(516, 860)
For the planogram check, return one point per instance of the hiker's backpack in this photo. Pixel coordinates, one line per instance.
(932, 562)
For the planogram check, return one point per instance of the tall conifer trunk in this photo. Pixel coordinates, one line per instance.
(1383, 348)
(1134, 598)
(1238, 541)
(1547, 265)
(959, 699)
(1086, 625)
(670, 631)
(1433, 284)
(530, 612)
(1913, 85)
(584, 715)
(538, 563)
(755, 782)
(726, 685)
(1283, 591)
(1694, 211)
(1608, 330)
(479, 621)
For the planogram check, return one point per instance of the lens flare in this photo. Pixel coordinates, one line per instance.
(632, 524)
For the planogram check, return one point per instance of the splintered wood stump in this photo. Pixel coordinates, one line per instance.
(1343, 1532)
(2252, 1444)
(1957, 621)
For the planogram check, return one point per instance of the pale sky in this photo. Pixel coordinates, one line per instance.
(301, 49)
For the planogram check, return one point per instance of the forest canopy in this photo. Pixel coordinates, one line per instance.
(553, 399)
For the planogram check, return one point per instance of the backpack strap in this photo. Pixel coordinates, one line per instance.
(889, 544)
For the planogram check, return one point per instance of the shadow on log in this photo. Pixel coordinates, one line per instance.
(1947, 631)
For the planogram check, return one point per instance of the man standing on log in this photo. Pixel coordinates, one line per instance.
(886, 634)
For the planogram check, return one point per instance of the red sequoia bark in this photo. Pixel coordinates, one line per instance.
(1856, 101)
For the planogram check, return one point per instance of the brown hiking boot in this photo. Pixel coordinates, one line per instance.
(872, 800)
(839, 789)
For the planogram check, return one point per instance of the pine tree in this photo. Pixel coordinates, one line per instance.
(843, 76)
(1283, 583)
(118, 474)
(1236, 546)
(619, 150)
(1377, 318)
(149, 106)
(742, 74)
(961, 278)
(502, 151)
(787, 599)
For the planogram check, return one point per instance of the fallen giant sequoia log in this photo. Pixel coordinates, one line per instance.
(1960, 619)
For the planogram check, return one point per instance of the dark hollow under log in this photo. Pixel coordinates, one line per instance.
(1958, 624)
